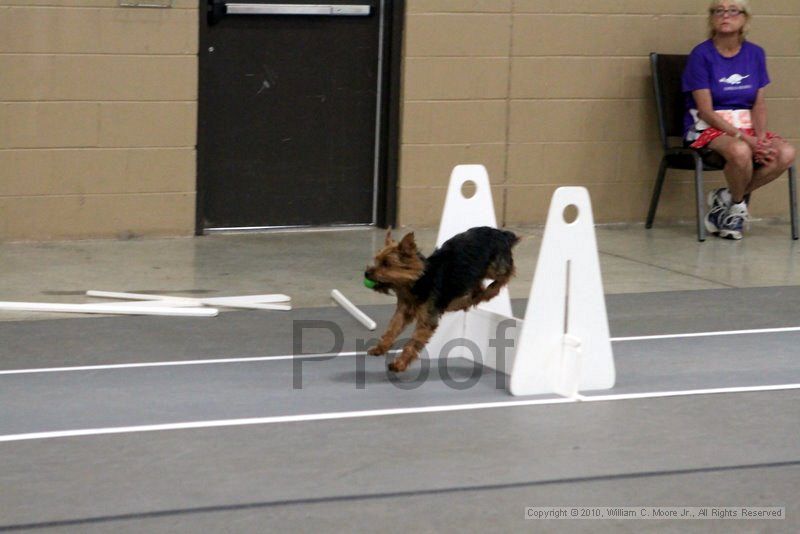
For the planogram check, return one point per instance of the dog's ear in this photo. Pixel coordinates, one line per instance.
(388, 241)
(408, 245)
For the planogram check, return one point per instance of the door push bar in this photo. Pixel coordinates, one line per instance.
(219, 8)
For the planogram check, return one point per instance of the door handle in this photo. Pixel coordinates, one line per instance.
(217, 9)
(298, 9)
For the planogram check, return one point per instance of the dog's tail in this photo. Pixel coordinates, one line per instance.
(511, 238)
(516, 239)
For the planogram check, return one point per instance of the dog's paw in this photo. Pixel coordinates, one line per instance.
(398, 365)
(377, 350)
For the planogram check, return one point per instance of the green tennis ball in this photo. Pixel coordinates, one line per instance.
(370, 283)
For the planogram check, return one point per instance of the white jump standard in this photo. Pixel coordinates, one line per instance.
(563, 345)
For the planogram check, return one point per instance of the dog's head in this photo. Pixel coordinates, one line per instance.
(396, 265)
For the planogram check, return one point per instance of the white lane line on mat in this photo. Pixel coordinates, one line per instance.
(175, 363)
(708, 334)
(336, 354)
(380, 413)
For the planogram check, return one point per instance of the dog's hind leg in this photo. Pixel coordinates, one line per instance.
(500, 273)
(490, 292)
(402, 316)
(461, 303)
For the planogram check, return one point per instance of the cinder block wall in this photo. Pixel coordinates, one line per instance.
(97, 119)
(98, 108)
(558, 92)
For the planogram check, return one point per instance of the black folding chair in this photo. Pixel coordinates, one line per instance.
(667, 71)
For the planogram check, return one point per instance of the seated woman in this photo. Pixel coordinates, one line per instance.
(724, 85)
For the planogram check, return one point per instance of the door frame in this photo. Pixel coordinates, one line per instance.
(387, 161)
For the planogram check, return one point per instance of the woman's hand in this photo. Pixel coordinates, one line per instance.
(764, 151)
(752, 141)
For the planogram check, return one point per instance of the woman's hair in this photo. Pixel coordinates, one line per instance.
(744, 5)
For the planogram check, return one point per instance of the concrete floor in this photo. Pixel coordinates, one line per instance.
(446, 471)
(465, 471)
(307, 265)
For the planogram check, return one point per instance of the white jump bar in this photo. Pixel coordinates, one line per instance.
(122, 309)
(252, 302)
(298, 9)
(351, 308)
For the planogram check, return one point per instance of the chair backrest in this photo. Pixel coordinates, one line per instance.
(667, 71)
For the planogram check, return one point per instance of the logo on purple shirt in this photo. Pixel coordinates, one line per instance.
(733, 79)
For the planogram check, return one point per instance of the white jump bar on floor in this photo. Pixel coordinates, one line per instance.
(271, 297)
(272, 301)
(379, 413)
(120, 309)
(351, 308)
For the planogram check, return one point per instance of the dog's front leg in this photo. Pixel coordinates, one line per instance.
(422, 334)
(397, 323)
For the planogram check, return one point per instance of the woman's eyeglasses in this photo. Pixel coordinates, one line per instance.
(731, 12)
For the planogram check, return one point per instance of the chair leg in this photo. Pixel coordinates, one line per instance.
(651, 213)
(701, 209)
(793, 200)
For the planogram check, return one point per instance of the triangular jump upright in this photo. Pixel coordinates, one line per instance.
(460, 214)
(564, 346)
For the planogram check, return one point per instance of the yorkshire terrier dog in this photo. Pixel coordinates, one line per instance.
(450, 279)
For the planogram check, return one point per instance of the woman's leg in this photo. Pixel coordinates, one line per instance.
(764, 175)
(739, 164)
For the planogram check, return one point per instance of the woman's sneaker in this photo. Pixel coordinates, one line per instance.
(719, 197)
(714, 219)
(718, 202)
(732, 223)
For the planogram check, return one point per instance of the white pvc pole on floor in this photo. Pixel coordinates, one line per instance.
(351, 308)
(137, 296)
(121, 309)
(251, 302)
